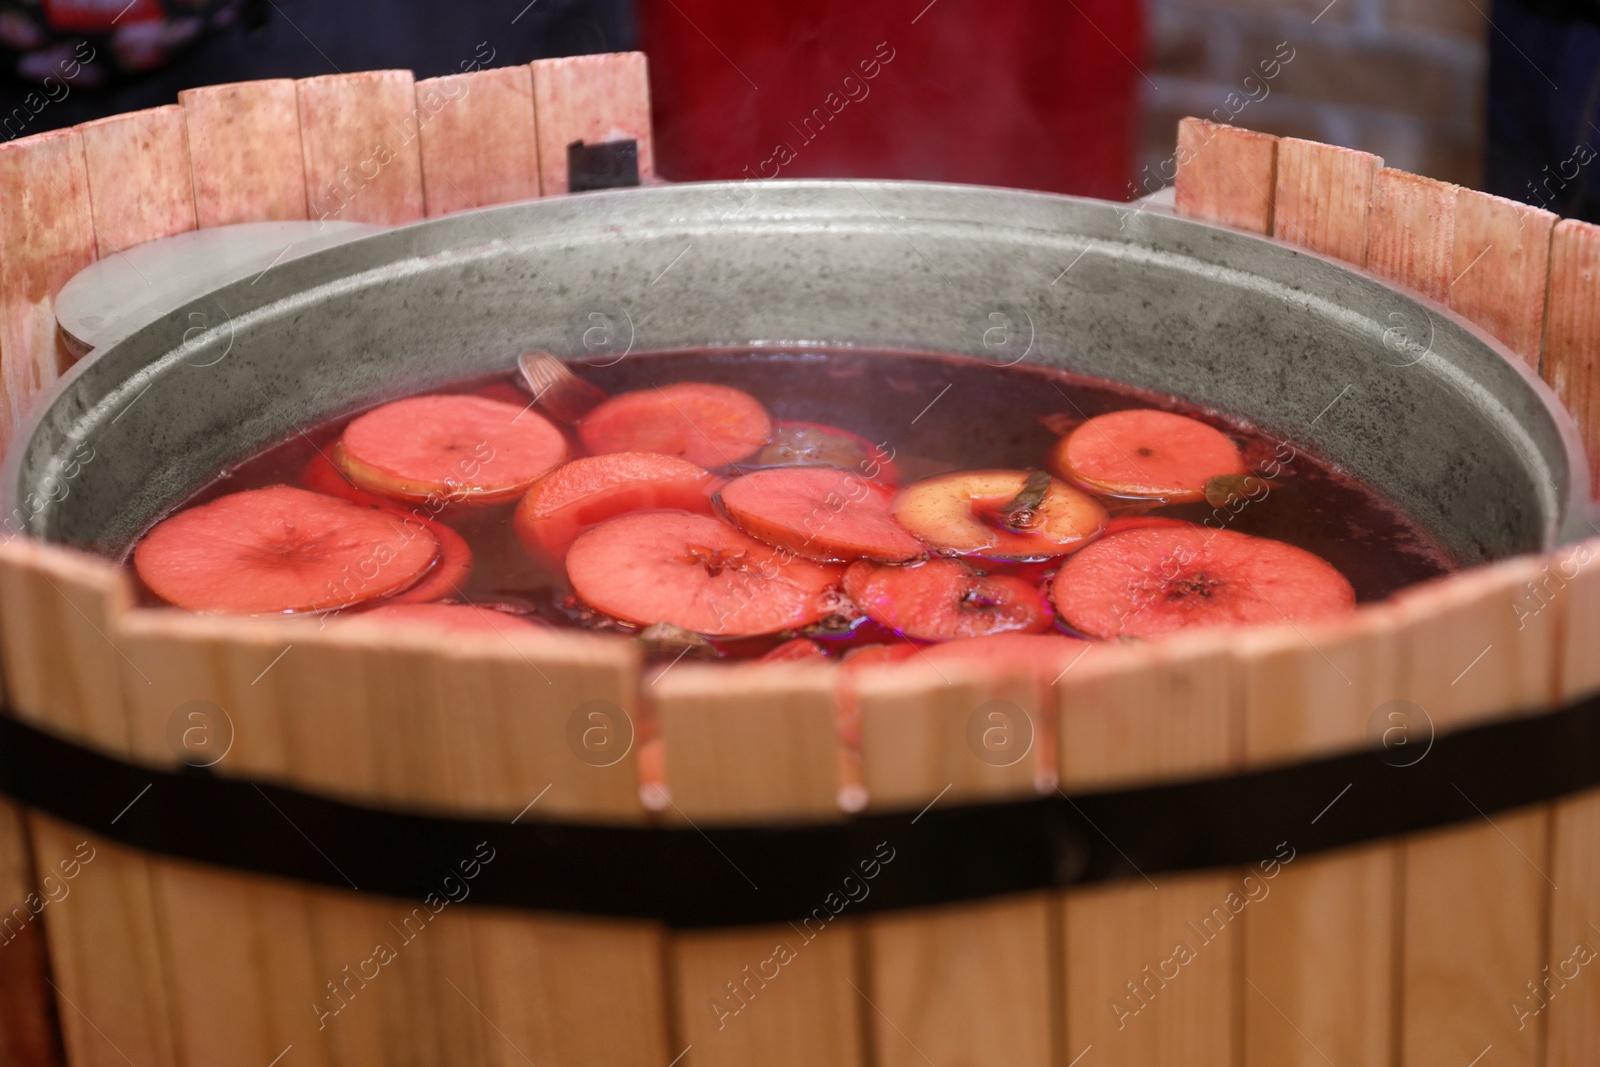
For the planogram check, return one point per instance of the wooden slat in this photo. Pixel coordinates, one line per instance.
(359, 133)
(63, 664)
(969, 983)
(1572, 335)
(1570, 1002)
(1130, 714)
(1476, 646)
(1128, 1014)
(1145, 712)
(1475, 895)
(244, 152)
(105, 953)
(1566, 996)
(1225, 175)
(1573, 581)
(964, 984)
(592, 99)
(1411, 232)
(1319, 954)
(244, 972)
(1323, 195)
(809, 1014)
(1319, 962)
(1501, 269)
(1474, 933)
(915, 723)
(478, 141)
(29, 1030)
(47, 236)
(140, 187)
(1309, 690)
(751, 744)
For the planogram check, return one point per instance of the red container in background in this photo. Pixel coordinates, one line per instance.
(1037, 94)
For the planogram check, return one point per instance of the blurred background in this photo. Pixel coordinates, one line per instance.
(1076, 96)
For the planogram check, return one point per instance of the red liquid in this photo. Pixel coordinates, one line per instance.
(937, 414)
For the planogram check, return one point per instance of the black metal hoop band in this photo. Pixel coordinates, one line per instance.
(734, 876)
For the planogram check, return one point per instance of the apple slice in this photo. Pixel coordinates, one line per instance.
(943, 599)
(279, 550)
(1152, 582)
(999, 514)
(819, 512)
(1146, 453)
(464, 449)
(448, 573)
(708, 425)
(698, 573)
(592, 489)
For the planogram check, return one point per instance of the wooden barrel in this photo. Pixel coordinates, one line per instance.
(1457, 945)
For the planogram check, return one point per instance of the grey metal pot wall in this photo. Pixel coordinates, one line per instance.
(1404, 395)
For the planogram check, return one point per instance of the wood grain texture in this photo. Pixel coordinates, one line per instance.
(1571, 583)
(140, 186)
(1226, 175)
(964, 984)
(105, 952)
(1319, 957)
(572, 991)
(1322, 198)
(593, 99)
(916, 741)
(779, 996)
(478, 140)
(745, 744)
(1475, 895)
(1567, 994)
(1500, 271)
(1565, 991)
(1474, 933)
(244, 152)
(1144, 712)
(969, 983)
(62, 659)
(1411, 232)
(47, 236)
(359, 133)
(30, 1031)
(1310, 690)
(1150, 972)
(1319, 962)
(1571, 361)
(1476, 647)
(244, 976)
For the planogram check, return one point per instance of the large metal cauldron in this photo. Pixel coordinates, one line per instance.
(1403, 394)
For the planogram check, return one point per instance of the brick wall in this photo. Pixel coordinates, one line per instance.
(1402, 78)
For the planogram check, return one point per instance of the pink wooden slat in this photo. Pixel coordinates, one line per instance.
(139, 183)
(359, 133)
(1411, 232)
(244, 152)
(46, 236)
(591, 99)
(1572, 334)
(1501, 269)
(1225, 175)
(478, 141)
(1322, 197)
